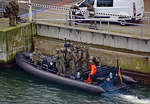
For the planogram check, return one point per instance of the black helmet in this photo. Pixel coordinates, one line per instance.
(67, 44)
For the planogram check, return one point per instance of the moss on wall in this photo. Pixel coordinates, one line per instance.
(3, 57)
(127, 61)
(18, 38)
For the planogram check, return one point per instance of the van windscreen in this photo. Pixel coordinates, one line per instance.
(104, 3)
(91, 2)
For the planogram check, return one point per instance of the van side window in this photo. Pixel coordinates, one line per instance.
(104, 3)
(91, 2)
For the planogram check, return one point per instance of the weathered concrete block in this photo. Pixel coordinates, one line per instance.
(133, 44)
(98, 39)
(75, 35)
(143, 45)
(63, 33)
(3, 54)
(15, 39)
(147, 45)
(109, 40)
(120, 42)
(95, 37)
(86, 37)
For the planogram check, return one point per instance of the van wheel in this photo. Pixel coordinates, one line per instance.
(123, 23)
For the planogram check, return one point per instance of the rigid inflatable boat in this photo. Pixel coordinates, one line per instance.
(107, 78)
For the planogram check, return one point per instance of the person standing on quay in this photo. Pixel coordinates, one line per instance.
(16, 11)
(13, 14)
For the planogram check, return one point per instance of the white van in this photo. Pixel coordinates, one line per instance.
(115, 10)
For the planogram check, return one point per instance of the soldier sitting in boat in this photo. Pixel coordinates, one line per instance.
(60, 61)
(73, 60)
(71, 57)
(36, 57)
(64, 60)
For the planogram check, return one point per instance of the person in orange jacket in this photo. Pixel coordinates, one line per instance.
(93, 71)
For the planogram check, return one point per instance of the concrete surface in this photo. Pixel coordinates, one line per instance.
(89, 36)
(4, 23)
(15, 39)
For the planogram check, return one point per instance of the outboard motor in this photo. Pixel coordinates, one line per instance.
(49, 65)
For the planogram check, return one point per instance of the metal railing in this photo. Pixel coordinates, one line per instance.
(102, 25)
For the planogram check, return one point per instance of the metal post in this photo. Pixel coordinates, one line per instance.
(66, 19)
(108, 27)
(100, 25)
(28, 39)
(142, 27)
(24, 33)
(34, 18)
(30, 11)
(71, 17)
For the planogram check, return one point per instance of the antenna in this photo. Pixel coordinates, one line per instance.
(65, 40)
(117, 62)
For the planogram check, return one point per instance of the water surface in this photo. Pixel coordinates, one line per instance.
(19, 87)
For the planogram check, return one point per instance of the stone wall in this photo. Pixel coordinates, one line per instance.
(15, 39)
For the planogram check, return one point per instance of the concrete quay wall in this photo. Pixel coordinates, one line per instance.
(89, 36)
(13, 40)
(50, 37)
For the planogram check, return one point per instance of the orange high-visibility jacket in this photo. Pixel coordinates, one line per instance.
(93, 69)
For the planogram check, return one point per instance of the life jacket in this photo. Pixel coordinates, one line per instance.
(93, 71)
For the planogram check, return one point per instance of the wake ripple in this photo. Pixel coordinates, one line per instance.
(135, 99)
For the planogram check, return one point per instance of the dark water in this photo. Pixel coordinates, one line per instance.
(19, 87)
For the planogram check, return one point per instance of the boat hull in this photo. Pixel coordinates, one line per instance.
(20, 60)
